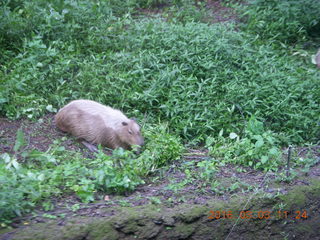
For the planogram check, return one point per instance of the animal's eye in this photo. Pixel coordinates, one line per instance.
(130, 132)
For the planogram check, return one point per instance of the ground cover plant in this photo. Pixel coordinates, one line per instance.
(40, 175)
(221, 87)
(151, 71)
(199, 78)
(285, 21)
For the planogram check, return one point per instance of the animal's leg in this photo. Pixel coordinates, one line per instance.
(90, 146)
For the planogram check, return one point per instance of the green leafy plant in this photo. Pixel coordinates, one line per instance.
(57, 171)
(284, 177)
(161, 149)
(198, 78)
(285, 21)
(207, 169)
(258, 149)
(187, 11)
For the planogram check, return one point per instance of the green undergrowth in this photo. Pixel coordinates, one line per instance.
(228, 87)
(198, 78)
(256, 148)
(38, 176)
(78, 21)
(284, 21)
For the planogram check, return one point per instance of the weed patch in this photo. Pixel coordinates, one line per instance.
(285, 21)
(41, 175)
(229, 88)
(198, 78)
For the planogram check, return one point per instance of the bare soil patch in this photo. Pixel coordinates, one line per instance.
(221, 13)
(168, 187)
(217, 10)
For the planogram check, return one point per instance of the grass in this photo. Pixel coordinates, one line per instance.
(237, 91)
(283, 21)
(199, 78)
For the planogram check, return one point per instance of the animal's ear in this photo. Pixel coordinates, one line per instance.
(124, 123)
(134, 119)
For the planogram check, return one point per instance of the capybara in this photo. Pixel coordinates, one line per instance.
(98, 124)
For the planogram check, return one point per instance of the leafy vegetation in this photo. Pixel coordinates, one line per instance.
(57, 171)
(199, 78)
(218, 85)
(286, 21)
(257, 149)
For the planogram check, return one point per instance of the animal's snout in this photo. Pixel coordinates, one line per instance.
(139, 146)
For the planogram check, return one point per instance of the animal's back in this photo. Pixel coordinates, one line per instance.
(89, 120)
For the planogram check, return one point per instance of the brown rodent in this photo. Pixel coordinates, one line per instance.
(98, 124)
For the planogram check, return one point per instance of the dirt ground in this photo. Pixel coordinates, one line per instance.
(217, 10)
(166, 187)
(162, 186)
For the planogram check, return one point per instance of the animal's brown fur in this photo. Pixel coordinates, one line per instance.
(98, 124)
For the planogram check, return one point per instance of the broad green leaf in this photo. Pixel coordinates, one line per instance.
(264, 159)
(259, 143)
(15, 164)
(221, 132)
(233, 135)
(6, 157)
(273, 151)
